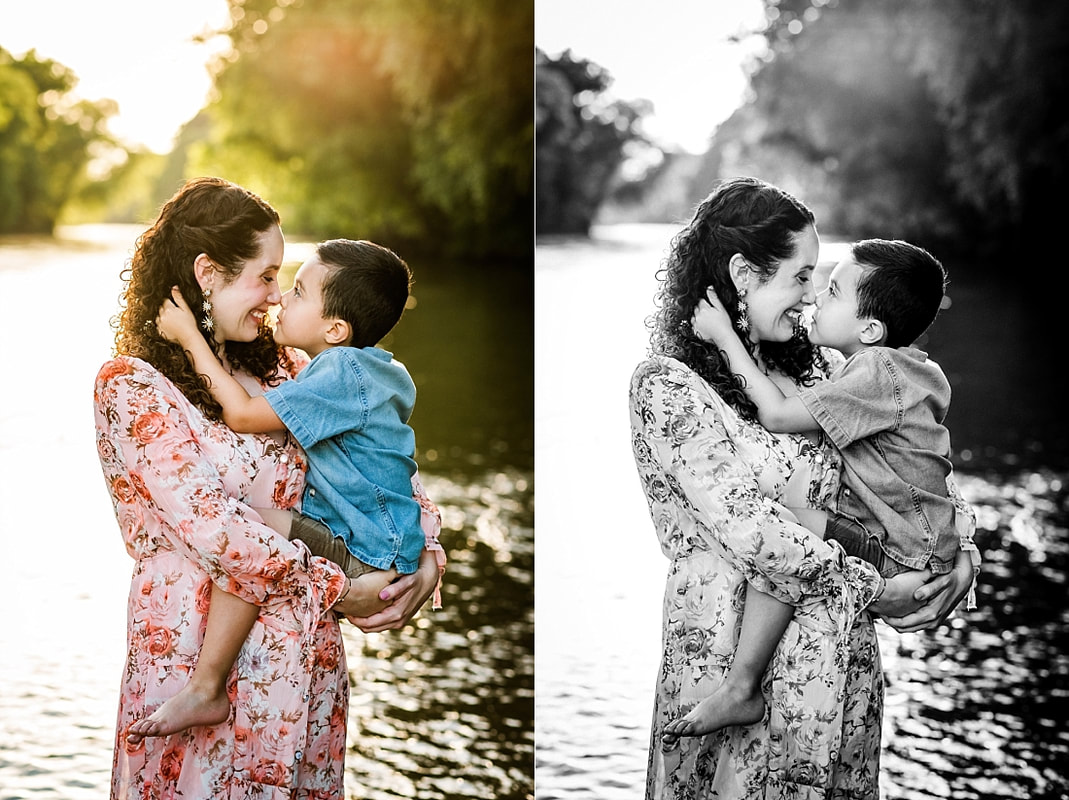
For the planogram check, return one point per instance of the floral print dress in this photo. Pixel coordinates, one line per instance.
(183, 488)
(716, 484)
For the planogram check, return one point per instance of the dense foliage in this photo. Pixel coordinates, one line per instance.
(581, 138)
(46, 140)
(404, 122)
(946, 122)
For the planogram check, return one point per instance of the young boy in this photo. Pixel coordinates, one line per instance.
(349, 410)
(884, 409)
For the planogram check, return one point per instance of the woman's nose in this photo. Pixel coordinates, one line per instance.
(275, 297)
(810, 295)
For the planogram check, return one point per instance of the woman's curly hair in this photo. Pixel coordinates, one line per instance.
(742, 215)
(223, 221)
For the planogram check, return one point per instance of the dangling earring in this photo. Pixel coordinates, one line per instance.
(207, 321)
(743, 323)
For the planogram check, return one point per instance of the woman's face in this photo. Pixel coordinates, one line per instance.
(775, 307)
(240, 306)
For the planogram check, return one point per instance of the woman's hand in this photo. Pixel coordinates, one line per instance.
(711, 321)
(899, 594)
(364, 597)
(404, 597)
(915, 601)
(939, 597)
(175, 320)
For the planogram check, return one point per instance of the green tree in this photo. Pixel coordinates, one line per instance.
(580, 143)
(407, 122)
(45, 141)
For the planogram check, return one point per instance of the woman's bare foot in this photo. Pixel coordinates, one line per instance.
(728, 705)
(186, 709)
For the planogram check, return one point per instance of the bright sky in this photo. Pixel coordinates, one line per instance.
(674, 53)
(140, 54)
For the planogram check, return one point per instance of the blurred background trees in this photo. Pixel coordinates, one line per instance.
(405, 122)
(45, 140)
(581, 140)
(946, 123)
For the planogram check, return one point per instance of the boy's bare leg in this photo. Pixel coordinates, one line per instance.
(813, 519)
(281, 521)
(738, 700)
(203, 700)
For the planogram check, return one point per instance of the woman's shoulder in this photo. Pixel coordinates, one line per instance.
(674, 377)
(293, 362)
(665, 368)
(127, 368)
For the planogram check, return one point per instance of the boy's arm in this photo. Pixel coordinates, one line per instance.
(241, 412)
(775, 411)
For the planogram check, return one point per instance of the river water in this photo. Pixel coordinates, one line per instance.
(977, 709)
(443, 709)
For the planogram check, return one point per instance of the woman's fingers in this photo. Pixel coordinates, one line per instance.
(933, 587)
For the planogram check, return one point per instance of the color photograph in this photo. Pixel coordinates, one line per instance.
(206, 207)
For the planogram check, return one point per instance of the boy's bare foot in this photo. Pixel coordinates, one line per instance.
(186, 709)
(726, 706)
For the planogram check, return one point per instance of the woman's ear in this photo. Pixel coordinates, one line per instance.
(204, 271)
(739, 270)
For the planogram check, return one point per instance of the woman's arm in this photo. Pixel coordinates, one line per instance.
(171, 480)
(684, 424)
(241, 412)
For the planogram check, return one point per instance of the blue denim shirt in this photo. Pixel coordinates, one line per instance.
(884, 409)
(349, 410)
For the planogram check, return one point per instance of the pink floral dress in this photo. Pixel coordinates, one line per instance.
(183, 488)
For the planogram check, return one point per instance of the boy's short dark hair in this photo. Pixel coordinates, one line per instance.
(366, 286)
(901, 285)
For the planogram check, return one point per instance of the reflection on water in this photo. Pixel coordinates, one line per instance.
(977, 709)
(442, 709)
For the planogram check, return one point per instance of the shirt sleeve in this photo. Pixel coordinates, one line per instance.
(431, 523)
(685, 427)
(327, 399)
(171, 480)
(856, 401)
(965, 523)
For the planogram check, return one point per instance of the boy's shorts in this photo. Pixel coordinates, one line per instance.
(856, 541)
(322, 542)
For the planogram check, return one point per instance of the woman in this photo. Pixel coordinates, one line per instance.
(715, 481)
(183, 486)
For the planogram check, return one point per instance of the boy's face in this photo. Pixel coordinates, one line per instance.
(300, 323)
(835, 322)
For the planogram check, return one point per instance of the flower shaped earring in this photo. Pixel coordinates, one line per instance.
(207, 321)
(743, 322)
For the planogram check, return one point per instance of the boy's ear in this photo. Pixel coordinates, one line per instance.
(204, 271)
(338, 332)
(872, 332)
(739, 270)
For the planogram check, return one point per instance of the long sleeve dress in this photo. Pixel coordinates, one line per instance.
(715, 484)
(183, 488)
